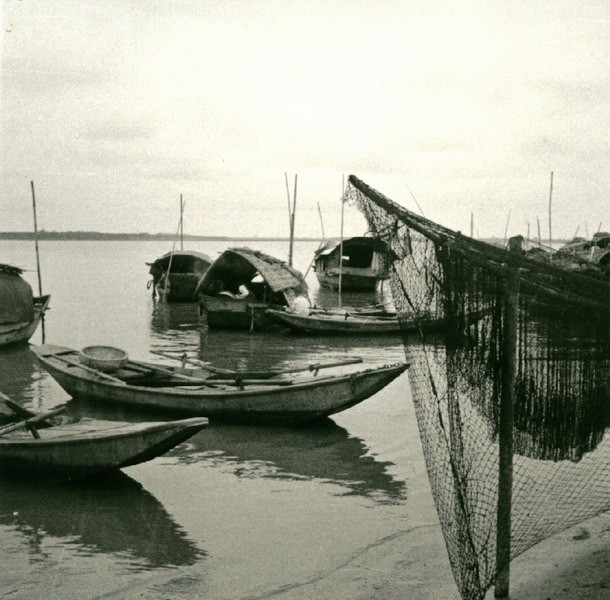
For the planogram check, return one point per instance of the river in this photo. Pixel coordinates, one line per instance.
(236, 512)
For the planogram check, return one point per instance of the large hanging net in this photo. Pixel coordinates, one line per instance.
(551, 359)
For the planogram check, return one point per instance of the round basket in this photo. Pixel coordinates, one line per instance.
(103, 358)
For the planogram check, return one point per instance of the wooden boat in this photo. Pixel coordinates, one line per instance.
(265, 282)
(20, 311)
(335, 323)
(186, 268)
(83, 449)
(346, 323)
(361, 261)
(238, 397)
(589, 256)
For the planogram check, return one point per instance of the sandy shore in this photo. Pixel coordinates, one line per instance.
(572, 565)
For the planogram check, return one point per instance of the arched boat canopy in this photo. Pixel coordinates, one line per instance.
(182, 261)
(16, 299)
(353, 245)
(240, 266)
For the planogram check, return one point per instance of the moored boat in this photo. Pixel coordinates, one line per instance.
(20, 311)
(275, 398)
(83, 449)
(242, 284)
(358, 262)
(351, 323)
(176, 275)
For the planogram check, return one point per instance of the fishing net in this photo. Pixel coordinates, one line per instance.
(506, 326)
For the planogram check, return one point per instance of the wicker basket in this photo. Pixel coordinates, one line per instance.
(103, 358)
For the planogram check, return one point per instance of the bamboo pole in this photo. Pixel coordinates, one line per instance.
(505, 435)
(322, 223)
(294, 208)
(341, 242)
(36, 240)
(181, 222)
(550, 210)
(506, 228)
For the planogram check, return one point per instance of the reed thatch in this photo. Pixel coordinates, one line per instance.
(239, 265)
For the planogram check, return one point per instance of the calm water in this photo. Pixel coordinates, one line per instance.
(236, 512)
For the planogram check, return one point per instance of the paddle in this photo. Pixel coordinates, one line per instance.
(31, 421)
(226, 374)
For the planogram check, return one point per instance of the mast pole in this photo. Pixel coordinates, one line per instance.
(294, 207)
(36, 239)
(341, 242)
(289, 210)
(321, 223)
(181, 222)
(550, 203)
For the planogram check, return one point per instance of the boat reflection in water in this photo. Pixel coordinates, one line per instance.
(108, 515)
(325, 452)
(24, 380)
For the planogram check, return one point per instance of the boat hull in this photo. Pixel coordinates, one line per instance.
(22, 332)
(299, 402)
(73, 451)
(332, 324)
(224, 312)
(349, 281)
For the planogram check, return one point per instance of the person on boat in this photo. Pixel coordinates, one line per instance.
(300, 305)
(163, 287)
(243, 292)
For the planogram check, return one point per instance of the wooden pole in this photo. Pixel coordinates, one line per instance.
(505, 434)
(471, 225)
(506, 228)
(539, 238)
(550, 208)
(294, 207)
(181, 222)
(36, 240)
(322, 223)
(341, 242)
(289, 216)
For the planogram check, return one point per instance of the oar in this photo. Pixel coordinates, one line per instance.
(196, 363)
(32, 421)
(267, 374)
(170, 372)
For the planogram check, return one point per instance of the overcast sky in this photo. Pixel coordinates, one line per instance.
(115, 108)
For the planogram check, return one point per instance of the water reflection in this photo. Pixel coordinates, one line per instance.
(114, 514)
(176, 328)
(21, 376)
(325, 452)
(174, 318)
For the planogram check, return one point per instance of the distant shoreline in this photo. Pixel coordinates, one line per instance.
(67, 236)
(74, 236)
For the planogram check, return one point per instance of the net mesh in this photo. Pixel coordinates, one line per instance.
(561, 384)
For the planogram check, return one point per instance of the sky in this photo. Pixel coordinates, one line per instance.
(115, 108)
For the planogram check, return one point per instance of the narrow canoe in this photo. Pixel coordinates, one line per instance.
(83, 449)
(269, 401)
(15, 333)
(333, 324)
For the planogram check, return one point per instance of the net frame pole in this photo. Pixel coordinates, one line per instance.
(505, 434)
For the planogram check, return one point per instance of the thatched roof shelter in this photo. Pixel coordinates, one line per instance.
(237, 266)
(16, 299)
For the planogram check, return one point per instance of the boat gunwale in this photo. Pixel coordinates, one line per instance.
(250, 390)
